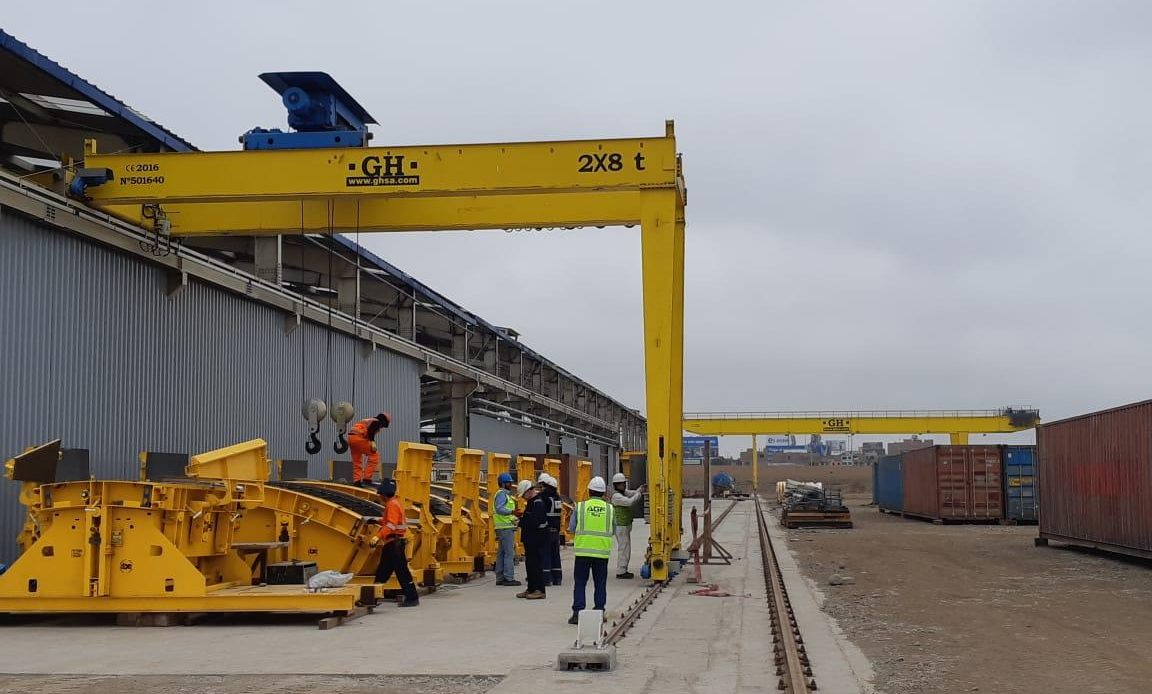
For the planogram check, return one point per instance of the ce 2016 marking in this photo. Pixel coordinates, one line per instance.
(608, 162)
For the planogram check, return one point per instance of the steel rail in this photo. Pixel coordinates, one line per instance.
(620, 627)
(632, 613)
(791, 660)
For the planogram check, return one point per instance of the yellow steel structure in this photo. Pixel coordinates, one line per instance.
(526, 468)
(583, 477)
(958, 424)
(130, 546)
(466, 551)
(522, 185)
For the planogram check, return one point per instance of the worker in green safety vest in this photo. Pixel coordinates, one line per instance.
(592, 525)
(504, 520)
(624, 502)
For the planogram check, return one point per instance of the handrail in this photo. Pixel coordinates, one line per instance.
(850, 414)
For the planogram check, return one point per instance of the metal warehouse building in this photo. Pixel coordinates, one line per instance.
(117, 346)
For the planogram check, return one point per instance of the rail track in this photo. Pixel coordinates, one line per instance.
(790, 658)
(792, 668)
(618, 629)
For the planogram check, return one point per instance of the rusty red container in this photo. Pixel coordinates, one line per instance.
(954, 483)
(1095, 474)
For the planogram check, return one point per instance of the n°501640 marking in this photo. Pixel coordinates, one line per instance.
(607, 162)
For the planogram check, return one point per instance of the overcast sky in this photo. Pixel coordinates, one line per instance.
(907, 204)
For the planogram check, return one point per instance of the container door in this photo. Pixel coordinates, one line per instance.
(952, 468)
(985, 482)
(1020, 483)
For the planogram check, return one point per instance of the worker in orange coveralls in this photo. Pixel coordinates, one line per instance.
(393, 558)
(362, 442)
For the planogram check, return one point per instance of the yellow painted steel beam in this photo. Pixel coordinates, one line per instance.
(663, 262)
(959, 426)
(417, 171)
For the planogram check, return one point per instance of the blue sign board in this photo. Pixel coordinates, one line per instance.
(694, 448)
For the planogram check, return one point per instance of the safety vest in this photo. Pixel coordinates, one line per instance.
(500, 521)
(623, 515)
(594, 528)
(360, 428)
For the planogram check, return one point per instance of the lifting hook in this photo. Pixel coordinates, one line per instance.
(342, 413)
(314, 411)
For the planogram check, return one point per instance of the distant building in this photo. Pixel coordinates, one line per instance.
(906, 445)
(871, 451)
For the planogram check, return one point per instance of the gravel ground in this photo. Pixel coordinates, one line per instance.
(967, 608)
(248, 684)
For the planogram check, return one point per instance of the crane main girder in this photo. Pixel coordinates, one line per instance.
(959, 425)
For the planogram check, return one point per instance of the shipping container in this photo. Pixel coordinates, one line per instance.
(954, 483)
(889, 480)
(1020, 483)
(1095, 474)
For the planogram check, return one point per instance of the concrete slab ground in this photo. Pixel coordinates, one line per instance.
(477, 628)
(683, 643)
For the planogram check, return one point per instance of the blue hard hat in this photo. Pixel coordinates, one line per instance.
(504, 478)
(387, 488)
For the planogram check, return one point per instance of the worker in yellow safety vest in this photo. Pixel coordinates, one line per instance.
(504, 521)
(593, 524)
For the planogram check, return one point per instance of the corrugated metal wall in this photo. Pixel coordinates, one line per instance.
(1095, 475)
(95, 352)
(489, 434)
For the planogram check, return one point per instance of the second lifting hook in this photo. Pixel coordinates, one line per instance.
(314, 411)
(342, 413)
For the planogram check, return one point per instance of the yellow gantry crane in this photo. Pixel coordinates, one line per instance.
(322, 178)
(958, 424)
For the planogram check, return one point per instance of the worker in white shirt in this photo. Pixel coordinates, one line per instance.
(623, 500)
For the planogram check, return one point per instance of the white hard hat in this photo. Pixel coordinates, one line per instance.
(618, 478)
(522, 487)
(597, 485)
(549, 480)
(542, 478)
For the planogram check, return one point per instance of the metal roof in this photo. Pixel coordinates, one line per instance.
(50, 79)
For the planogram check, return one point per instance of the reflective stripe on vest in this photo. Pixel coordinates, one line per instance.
(500, 521)
(594, 529)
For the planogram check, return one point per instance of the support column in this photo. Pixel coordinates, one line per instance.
(458, 394)
(348, 295)
(755, 465)
(269, 259)
(406, 318)
(662, 243)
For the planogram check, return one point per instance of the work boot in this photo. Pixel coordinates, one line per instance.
(522, 594)
(626, 575)
(510, 582)
(535, 595)
(575, 618)
(411, 603)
